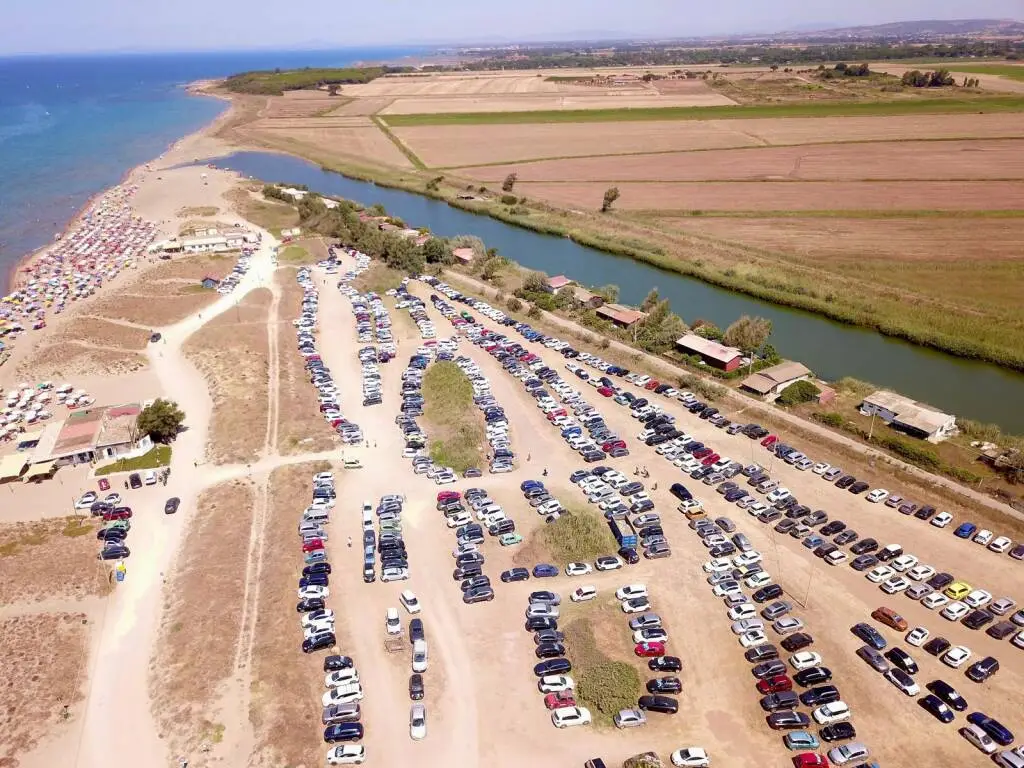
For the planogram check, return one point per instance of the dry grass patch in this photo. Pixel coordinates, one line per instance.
(286, 684)
(145, 309)
(300, 426)
(232, 353)
(68, 547)
(72, 359)
(196, 267)
(250, 205)
(201, 624)
(204, 211)
(454, 427)
(361, 142)
(579, 535)
(45, 658)
(95, 330)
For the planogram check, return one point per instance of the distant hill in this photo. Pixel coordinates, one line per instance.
(928, 29)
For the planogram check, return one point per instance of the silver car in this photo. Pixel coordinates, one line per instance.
(629, 718)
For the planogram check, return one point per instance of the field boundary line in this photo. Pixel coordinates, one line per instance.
(402, 147)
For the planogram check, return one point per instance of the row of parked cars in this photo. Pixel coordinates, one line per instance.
(230, 282)
(319, 374)
(469, 538)
(501, 456)
(373, 324)
(629, 510)
(942, 700)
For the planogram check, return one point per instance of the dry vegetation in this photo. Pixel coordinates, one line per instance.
(300, 428)
(231, 352)
(329, 141)
(66, 545)
(201, 624)
(286, 684)
(270, 215)
(142, 308)
(71, 359)
(198, 210)
(45, 657)
(104, 333)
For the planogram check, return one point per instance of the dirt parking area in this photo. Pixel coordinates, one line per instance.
(45, 656)
(286, 684)
(232, 353)
(202, 618)
(67, 546)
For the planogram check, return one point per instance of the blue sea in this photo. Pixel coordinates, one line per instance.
(73, 126)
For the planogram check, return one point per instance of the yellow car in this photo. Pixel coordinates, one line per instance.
(958, 590)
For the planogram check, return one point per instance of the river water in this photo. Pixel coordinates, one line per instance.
(832, 350)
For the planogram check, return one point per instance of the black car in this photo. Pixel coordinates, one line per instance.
(846, 537)
(552, 667)
(869, 635)
(549, 650)
(416, 691)
(832, 528)
(322, 567)
(933, 705)
(343, 732)
(112, 534)
(980, 671)
(823, 694)
(779, 721)
(760, 653)
(902, 660)
(770, 592)
(134, 481)
(416, 630)
(948, 694)
(154, 338)
(797, 642)
(334, 663)
(666, 705)
(838, 732)
(548, 636)
(541, 622)
(768, 669)
(310, 604)
(864, 546)
(937, 646)
(858, 487)
(665, 685)
(319, 642)
(114, 552)
(813, 676)
(863, 562)
(515, 574)
(629, 555)
(314, 579)
(773, 702)
(977, 619)
(845, 481)
(171, 505)
(665, 664)
(940, 580)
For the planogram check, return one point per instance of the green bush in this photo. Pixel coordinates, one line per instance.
(915, 454)
(509, 199)
(798, 392)
(448, 411)
(962, 474)
(830, 419)
(608, 686)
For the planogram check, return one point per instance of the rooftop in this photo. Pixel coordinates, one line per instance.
(118, 425)
(708, 348)
(559, 281)
(766, 380)
(910, 412)
(79, 432)
(621, 314)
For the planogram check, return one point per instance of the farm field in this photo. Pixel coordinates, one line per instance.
(359, 139)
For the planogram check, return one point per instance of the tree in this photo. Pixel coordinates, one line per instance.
(534, 312)
(491, 268)
(436, 251)
(510, 182)
(659, 330)
(748, 334)
(332, 90)
(377, 210)
(535, 282)
(610, 196)
(610, 292)
(798, 392)
(650, 300)
(513, 304)
(161, 420)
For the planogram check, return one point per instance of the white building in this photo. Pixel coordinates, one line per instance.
(909, 416)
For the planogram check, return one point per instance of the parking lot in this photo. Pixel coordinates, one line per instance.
(481, 696)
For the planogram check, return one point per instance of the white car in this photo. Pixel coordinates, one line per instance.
(584, 593)
(555, 683)
(956, 656)
(904, 563)
(902, 681)
(805, 660)
(838, 557)
(978, 598)
(752, 638)
(918, 636)
(149, 478)
(955, 611)
(941, 520)
(314, 591)
(636, 605)
(895, 584)
(346, 754)
(976, 736)
(113, 499)
(833, 712)
(690, 757)
(747, 558)
(87, 500)
(1000, 544)
(608, 563)
(341, 677)
(542, 611)
(578, 569)
(779, 494)
(727, 588)
(758, 580)
(344, 694)
(879, 574)
(392, 624)
(317, 617)
(821, 468)
(742, 612)
(877, 495)
(408, 599)
(983, 537)
(934, 600)
(417, 722)
(630, 591)
(718, 565)
(566, 717)
(921, 573)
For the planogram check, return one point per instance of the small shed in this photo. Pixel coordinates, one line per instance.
(558, 282)
(711, 352)
(909, 416)
(623, 317)
(463, 255)
(770, 382)
(210, 282)
(587, 298)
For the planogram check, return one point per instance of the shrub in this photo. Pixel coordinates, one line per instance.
(534, 312)
(962, 474)
(509, 199)
(609, 686)
(578, 535)
(798, 392)
(830, 419)
(915, 454)
(513, 304)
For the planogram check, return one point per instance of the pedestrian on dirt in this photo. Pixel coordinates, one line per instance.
(545, 472)
(350, 542)
(528, 457)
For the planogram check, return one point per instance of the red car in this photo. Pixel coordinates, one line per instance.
(556, 413)
(652, 385)
(702, 453)
(118, 513)
(104, 484)
(446, 496)
(560, 699)
(611, 445)
(710, 459)
(648, 650)
(775, 684)
(769, 441)
(604, 392)
(313, 545)
(810, 760)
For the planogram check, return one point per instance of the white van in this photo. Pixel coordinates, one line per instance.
(419, 656)
(367, 519)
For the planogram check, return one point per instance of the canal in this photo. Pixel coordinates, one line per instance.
(832, 350)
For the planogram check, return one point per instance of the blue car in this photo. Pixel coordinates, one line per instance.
(869, 635)
(800, 740)
(544, 571)
(965, 530)
(999, 732)
(527, 484)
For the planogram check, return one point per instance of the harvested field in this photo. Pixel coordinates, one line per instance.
(189, 267)
(45, 661)
(286, 685)
(463, 145)
(232, 354)
(946, 160)
(474, 84)
(95, 330)
(300, 427)
(361, 106)
(73, 359)
(67, 545)
(299, 104)
(577, 99)
(200, 627)
(363, 144)
(141, 307)
(787, 195)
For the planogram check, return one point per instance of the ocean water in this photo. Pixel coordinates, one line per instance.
(73, 126)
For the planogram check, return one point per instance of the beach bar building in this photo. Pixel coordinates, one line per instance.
(623, 317)
(909, 416)
(711, 352)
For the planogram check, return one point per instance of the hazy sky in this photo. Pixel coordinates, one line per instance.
(95, 25)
